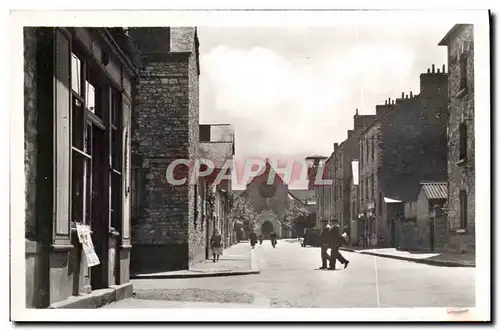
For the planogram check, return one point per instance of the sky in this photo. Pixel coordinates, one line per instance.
(292, 92)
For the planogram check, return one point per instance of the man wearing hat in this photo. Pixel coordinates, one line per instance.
(336, 241)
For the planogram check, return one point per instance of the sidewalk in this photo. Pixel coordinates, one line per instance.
(438, 259)
(236, 260)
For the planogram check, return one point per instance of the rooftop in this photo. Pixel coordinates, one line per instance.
(435, 190)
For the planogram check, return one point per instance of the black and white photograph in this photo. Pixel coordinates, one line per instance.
(180, 160)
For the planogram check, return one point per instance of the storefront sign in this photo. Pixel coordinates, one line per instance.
(88, 247)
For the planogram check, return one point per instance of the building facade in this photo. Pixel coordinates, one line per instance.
(369, 158)
(217, 148)
(460, 165)
(166, 224)
(404, 146)
(78, 101)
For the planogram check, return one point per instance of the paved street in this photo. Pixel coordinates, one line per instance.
(289, 278)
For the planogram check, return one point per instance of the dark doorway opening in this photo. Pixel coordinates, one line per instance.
(266, 229)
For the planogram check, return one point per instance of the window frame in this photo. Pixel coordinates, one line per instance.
(91, 73)
(462, 197)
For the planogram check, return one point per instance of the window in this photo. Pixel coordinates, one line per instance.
(195, 207)
(463, 209)
(95, 129)
(373, 148)
(373, 186)
(361, 152)
(463, 141)
(463, 71)
(115, 159)
(81, 176)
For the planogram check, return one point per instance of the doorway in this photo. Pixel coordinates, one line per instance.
(266, 229)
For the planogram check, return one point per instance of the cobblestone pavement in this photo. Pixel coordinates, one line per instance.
(289, 278)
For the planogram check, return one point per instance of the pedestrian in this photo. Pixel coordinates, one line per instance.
(337, 240)
(253, 238)
(273, 237)
(216, 245)
(325, 241)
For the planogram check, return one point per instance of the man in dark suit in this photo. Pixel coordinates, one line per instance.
(336, 242)
(325, 241)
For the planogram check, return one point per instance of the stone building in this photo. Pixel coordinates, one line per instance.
(167, 231)
(217, 145)
(461, 174)
(424, 225)
(334, 201)
(268, 196)
(405, 145)
(78, 98)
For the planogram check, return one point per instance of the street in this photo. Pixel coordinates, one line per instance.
(290, 278)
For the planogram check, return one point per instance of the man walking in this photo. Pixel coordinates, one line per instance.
(336, 242)
(325, 241)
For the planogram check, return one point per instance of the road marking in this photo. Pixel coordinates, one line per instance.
(376, 281)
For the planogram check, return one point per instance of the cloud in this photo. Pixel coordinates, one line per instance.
(295, 95)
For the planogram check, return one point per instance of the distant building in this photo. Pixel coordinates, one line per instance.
(461, 173)
(269, 199)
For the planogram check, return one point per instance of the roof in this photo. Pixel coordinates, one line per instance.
(218, 153)
(435, 190)
(303, 195)
(450, 34)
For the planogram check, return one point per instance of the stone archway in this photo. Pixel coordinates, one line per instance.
(268, 216)
(266, 228)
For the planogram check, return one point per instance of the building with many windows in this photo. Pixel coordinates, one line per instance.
(78, 98)
(461, 174)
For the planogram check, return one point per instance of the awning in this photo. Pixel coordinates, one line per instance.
(389, 200)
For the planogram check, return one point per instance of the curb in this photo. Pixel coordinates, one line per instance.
(254, 269)
(421, 261)
(96, 298)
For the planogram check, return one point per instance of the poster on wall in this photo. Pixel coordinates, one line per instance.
(85, 239)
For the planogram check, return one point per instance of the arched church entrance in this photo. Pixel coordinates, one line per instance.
(266, 229)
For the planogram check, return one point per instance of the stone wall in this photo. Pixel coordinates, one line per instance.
(30, 151)
(461, 176)
(197, 234)
(167, 231)
(413, 139)
(30, 129)
(160, 135)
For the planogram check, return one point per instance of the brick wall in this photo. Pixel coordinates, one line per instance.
(461, 177)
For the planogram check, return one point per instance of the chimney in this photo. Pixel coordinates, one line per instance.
(406, 96)
(433, 84)
(411, 94)
(444, 69)
(386, 102)
(349, 133)
(428, 70)
(402, 95)
(335, 146)
(389, 100)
